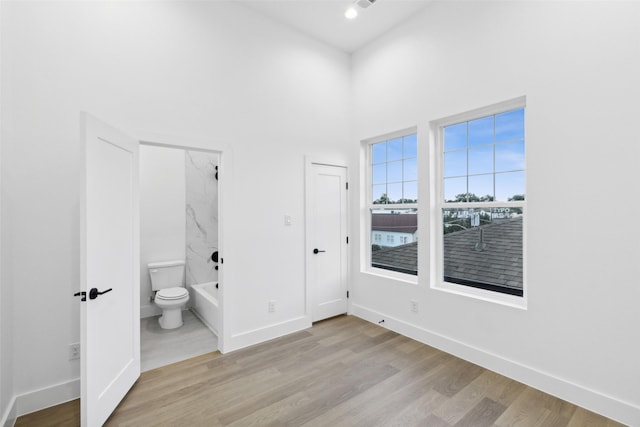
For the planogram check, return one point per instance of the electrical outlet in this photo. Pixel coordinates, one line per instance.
(272, 306)
(74, 351)
(414, 306)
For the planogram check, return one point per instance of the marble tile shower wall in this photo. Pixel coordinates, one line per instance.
(202, 216)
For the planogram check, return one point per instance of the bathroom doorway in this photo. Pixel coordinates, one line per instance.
(179, 220)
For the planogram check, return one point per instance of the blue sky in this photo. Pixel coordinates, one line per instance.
(483, 156)
(395, 168)
(475, 161)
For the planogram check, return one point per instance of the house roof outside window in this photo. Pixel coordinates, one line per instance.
(498, 263)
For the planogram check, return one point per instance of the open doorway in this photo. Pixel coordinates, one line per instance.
(179, 228)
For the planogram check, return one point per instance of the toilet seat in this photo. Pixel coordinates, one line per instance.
(170, 294)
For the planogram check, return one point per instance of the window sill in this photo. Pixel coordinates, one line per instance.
(389, 274)
(482, 294)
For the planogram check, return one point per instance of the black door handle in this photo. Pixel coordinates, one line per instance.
(81, 294)
(316, 251)
(94, 293)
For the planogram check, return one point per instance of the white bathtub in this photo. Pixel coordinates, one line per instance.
(205, 304)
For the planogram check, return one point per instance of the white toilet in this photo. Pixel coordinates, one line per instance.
(167, 280)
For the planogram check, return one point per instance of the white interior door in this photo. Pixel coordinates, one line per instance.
(327, 241)
(110, 241)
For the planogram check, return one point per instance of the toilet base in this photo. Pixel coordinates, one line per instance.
(171, 318)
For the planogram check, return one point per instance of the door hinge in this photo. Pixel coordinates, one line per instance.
(347, 294)
(347, 185)
(347, 240)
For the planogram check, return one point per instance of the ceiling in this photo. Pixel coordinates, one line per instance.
(324, 19)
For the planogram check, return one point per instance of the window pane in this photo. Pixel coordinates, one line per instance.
(481, 188)
(394, 191)
(455, 137)
(481, 160)
(379, 152)
(481, 131)
(483, 248)
(510, 125)
(394, 237)
(410, 192)
(410, 146)
(410, 169)
(508, 185)
(454, 187)
(455, 163)
(394, 171)
(379, 173)
(379, 194)
(510, 156)
(394, 149)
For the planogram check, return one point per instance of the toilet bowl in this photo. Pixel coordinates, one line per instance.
(167, 280)
(171, 301)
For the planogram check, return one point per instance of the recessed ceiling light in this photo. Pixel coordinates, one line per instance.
(351, 13)
(365, 3)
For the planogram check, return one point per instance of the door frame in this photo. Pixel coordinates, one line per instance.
(225, 154)
(309, 161)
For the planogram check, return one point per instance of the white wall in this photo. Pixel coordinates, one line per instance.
(162, 214)
(7, 414)
(211, 71)
(578, 65)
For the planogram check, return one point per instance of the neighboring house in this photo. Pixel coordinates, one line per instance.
(496, 261)
(391, 230)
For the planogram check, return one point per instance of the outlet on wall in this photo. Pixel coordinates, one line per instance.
(74, 351)
(272, 306)
(414, 306)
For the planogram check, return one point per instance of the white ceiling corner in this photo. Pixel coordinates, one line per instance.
(324, 19)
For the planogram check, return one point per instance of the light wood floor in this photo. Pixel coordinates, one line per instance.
(341, 372)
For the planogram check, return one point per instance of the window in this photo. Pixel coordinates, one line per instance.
(393, 202)
(482, 199)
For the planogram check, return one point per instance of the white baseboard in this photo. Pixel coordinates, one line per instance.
(47, 397)
(616, 409)
(9, 417)
(245, 339)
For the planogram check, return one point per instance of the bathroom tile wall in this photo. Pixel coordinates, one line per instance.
(201, 216)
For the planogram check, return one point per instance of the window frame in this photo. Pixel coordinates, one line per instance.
(437, 164)
(368, 205)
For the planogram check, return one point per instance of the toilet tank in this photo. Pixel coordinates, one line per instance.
(166, 274)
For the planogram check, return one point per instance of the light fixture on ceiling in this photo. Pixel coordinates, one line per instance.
(351, 13)
(364, 3)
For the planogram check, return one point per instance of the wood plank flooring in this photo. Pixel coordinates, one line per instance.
(341, 372)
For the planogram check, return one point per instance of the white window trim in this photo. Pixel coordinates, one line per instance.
(437, 166)
(365, 260)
